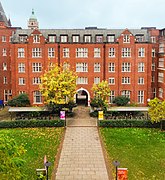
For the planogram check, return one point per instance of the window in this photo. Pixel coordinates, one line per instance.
(161, 48)
(141, 52)
(7, 95)
(153, 39)
(112, 80)
(36, 80)
(21, 67)
(21, 92)
(4, 66)
(111, 38)
(66, 66)
(96, 80)
(23, 38)
(141, 97)
(52, 38)
(126, 52)
(161, 62)
(99, 38)
(51, 66)
(21, 52)
(160, 92)
(81, 52)
(126, 67)
(75, 38)
(65, 52)
(126, 93)
(141, 67)
(111, 67)
(97, 67)
(125, 80)
(153, 66)
(126, 38)
(111, 97)
(140, 38)
(37, 97)
(51, 52)
(21, 81)
(111, 52)
(153, 52)
(140, 80)
(152, 78)
(64, 38)
(3, 38)
(82, 80)
(36, 38)
(160, 77)
(4, 80)
(97, 52)
(4, 52)
(87, 38)
(36, 67)
(81, 67)
(154, 92)
(36, 53)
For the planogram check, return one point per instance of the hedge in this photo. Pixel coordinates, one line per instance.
(32, 123)
(128, 123)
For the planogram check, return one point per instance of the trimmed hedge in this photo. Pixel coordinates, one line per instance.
(128, 123)
(32, 123)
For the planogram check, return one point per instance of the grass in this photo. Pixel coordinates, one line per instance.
(142, 151)
(38, 142)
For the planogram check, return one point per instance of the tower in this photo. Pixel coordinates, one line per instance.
(3, 19)
(32, 23)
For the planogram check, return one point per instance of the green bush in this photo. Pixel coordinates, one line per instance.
(31, 123)
(21, 100)
(128, 123)
(94, 114)
(121, 100)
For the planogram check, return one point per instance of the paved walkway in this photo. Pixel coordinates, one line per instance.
(81, 156)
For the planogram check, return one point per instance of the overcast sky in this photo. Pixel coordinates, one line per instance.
(83, 13)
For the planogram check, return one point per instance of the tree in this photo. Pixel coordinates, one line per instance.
(101, 93)
(20, 101)
(58, 85)
(156, 110)
(10, 158)
(121, 100)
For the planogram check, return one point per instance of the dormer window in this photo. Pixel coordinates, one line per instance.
(75, 38)
(22, 38)
(140, 38)
(87, 38)
(99, 38)
(36, 38)
(111, 38)
(52, 38)
(126, 38)
(64, 38)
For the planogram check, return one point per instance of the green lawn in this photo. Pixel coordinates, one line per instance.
(142, 151)
(37, 142)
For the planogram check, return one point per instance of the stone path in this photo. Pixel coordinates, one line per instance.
(81, 156)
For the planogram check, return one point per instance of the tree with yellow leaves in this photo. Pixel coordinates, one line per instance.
(58, 85)
(101, 93)
(156, 110)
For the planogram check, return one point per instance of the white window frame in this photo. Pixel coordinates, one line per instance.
(52, 38)
(126, 52)
(51, 52)
(81, 67)
(126, 38)
(153, 39)
(99, 38)
(153, 66)
(141, 67)
(126, 93)
(111, 80)
(37, 97)
(141, 52)
(153, 53)
(111, 67)
(97, 52)
(65, 52)
(36, 38)
(36, 52)
(160, 77)
(82, 80)
(75, 38)
(160, 92)
(4, 80)
(97, 67)
(161, 63)
(21, 81)
(36, 67)
(63, 38)
(21, 67)
(4, 52)
(81, 52)
(141, 97)
(21, 52)
(161, 48)
(96, 80)
(87, 38)
(126, 80)
(36, 80)
(112, 96)
(141, 80)
(110, 38)
(3, 38)
(4, 66)
(126, 67)
(111, 52)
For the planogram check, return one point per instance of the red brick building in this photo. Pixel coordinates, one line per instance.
(129, 59)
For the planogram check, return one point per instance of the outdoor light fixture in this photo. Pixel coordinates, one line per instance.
(47, 164)
(116, 164)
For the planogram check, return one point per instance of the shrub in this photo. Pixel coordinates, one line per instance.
(121, 100)
(128, 123)
(31, 123)
(20, 101)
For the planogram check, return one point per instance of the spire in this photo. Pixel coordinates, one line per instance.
(3, 17)
(32, 23)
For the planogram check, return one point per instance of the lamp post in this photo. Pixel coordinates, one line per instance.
(116, 164)
(47, 164)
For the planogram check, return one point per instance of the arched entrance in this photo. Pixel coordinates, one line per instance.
(82, 97)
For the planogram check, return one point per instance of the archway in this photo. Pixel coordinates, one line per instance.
(82, 97)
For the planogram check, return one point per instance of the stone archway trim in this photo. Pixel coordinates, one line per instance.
(82, 89)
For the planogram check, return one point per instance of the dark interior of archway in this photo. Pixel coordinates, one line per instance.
(82, 98)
